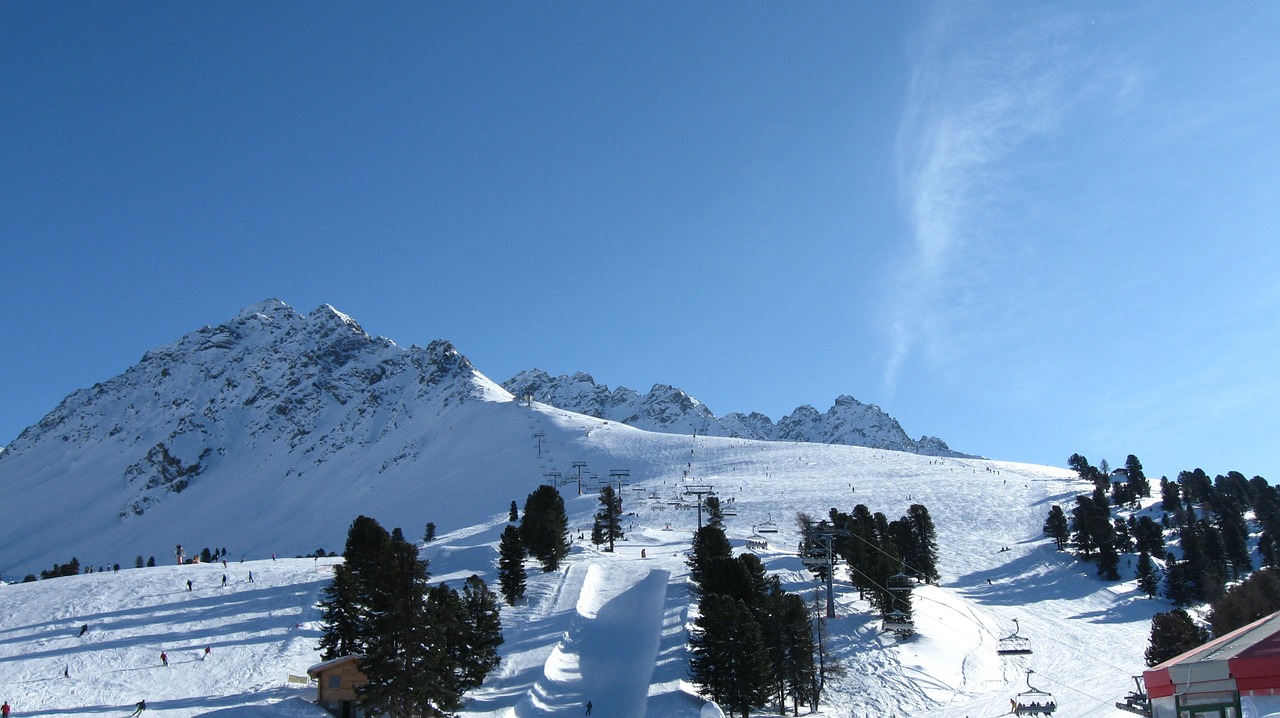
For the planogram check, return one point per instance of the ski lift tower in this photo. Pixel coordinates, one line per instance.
(579, 466)
(619, 478)
(699, 490)
(552, 477)
(538, 435)
(822, 535)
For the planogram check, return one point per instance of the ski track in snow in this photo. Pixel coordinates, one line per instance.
(612, 628)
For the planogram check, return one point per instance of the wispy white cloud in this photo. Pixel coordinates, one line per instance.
(983, 82)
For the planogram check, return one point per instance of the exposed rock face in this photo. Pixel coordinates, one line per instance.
(666, 408)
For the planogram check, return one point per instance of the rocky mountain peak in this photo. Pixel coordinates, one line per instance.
(669, 409)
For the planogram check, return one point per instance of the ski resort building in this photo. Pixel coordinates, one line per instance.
(336, 682)
(1235, 676)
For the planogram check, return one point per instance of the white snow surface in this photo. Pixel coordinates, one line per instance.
(610, 628)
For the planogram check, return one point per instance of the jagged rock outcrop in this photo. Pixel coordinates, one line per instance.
(666, 408)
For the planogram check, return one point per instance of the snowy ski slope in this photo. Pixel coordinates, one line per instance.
(611, 628)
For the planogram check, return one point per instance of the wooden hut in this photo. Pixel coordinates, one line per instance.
(336, 682)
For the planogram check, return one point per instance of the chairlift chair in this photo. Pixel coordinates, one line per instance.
(1014, 644)
(1033, 701)
(899, 623)
(768, 527)
(900, 582)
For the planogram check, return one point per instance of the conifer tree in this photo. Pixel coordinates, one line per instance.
(1177, 582)
(709, 545)
(1149, 536)
(545, 527)
(798, 668)
(921, 553)
(1253, 598)
(511, 573)
(1173, 634)
(1170, 495)
(1057, 527)
(399, 638)
(1148, 579)
(483, 632)
(340, 609)
(1136, 479)
(514, 514)
(608, 518)
(429, 532)
(729, 658)
(421, 647)
(715, 512)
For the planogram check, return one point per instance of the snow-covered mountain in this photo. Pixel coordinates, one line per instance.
(268, 434)
(289, 407)
(666, 408)
(309, 408)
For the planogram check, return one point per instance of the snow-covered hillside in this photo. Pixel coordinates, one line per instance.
(612, 628)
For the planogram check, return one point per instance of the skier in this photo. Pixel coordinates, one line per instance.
(251, 577)
(206, 654)
(84, 629)
(164, 658)
(588, 707)
(4, 710)
(224, 579)
(138, 708)
(188, 584)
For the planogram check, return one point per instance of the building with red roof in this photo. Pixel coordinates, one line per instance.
(1234, 676)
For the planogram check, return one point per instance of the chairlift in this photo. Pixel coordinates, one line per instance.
(814, 561)
(899, 623)
(900, 582)
(768, 527)
(726, 513)
(1137, 701)
(1014, 644)
(1033, 701)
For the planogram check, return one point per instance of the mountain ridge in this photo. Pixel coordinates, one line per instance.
(667, 408)
(316, 411)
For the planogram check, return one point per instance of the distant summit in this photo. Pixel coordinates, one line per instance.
(668, 409)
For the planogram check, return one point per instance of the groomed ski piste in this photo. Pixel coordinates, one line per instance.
(611, 628)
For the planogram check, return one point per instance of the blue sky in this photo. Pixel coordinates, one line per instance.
(1031, 229)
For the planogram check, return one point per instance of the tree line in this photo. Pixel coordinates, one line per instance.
(1199, 550)
(752, 642)
(1190, 554)
(875, 548)
(421, 647)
